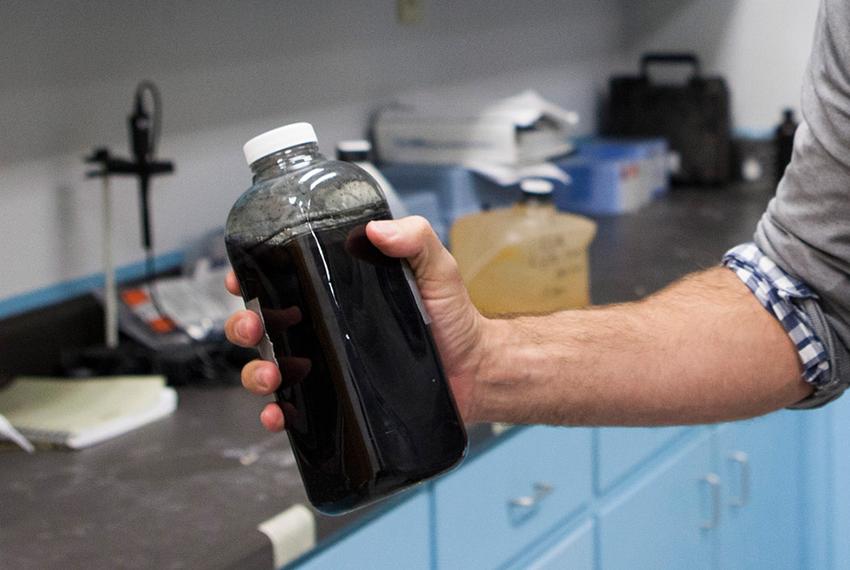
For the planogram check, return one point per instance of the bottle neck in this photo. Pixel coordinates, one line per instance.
(284, 161)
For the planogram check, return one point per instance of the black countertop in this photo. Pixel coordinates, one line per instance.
(687, 230)
(191, 489)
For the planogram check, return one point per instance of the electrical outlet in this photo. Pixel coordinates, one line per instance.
(410, 11)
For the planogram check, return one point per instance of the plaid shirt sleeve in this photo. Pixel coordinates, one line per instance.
(778, 292)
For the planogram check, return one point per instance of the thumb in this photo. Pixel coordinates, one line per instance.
(414, 239)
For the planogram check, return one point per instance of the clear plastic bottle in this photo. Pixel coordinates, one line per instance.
(368, 409)
(526, 259)
(784, 141)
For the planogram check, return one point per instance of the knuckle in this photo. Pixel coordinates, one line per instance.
(421, 226)
(452, 269)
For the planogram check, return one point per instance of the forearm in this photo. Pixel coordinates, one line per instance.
(701, 350)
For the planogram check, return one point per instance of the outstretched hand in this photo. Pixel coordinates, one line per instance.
(455, 323)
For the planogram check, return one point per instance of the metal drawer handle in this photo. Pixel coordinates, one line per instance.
(743, 461)
(713, 482)
(541, 491)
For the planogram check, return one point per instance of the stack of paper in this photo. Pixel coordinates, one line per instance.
(80, 413)
(520, 130)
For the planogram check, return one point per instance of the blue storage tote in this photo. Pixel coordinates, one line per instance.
(652, 154)
(443, 193)
(613, 177)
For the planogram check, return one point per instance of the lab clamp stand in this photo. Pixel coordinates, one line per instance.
(144, 131)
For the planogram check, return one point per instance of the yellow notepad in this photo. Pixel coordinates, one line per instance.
(80, 413)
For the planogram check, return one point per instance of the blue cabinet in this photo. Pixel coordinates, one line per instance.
(826, 458)
(398, 539)
(747, 495)
(760, 466)
(668, 519)
(748, 514)
(574, 552)
(620, 450)
(502, 502)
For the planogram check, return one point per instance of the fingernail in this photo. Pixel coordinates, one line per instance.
(386, 228)
(262, 380)
(242, 328)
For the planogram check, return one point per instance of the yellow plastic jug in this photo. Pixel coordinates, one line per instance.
(526, 259)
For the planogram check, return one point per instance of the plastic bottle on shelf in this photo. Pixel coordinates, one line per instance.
(368, 408)
(360, 153)
(526, 259)
(784, 140)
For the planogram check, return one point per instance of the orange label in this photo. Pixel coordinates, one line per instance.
(134, 297)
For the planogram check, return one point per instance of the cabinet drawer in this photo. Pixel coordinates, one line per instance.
(502, 501)
(399, 538)
(622, 449)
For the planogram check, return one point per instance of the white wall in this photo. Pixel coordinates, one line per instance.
(228, 71)
(760, 46)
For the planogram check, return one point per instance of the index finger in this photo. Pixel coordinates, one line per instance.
(231, 283)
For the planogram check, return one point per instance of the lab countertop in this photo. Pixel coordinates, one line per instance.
(190, 490)
(185, 492)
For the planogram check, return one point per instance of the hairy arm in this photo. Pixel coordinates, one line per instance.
(701, 350)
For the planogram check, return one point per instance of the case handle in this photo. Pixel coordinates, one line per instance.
(669, 58)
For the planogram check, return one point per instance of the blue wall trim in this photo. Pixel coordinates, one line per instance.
(67, 289)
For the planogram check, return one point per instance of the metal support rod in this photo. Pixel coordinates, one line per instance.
(110, 294)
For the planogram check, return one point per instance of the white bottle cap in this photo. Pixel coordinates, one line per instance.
(536, 186)
(359, 145)
(278, 139)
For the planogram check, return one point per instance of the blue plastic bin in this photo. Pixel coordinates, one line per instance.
(443, 193)
(612, 176)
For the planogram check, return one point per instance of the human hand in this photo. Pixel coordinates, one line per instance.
(456, 325)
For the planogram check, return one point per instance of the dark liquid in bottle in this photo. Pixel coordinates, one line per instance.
(367, 406)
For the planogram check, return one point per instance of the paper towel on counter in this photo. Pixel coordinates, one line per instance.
(292, 533)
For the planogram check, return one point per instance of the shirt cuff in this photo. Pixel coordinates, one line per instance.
(780, 293)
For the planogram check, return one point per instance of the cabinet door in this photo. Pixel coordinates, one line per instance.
(400, 538)
(502, 502)
(574, 552)
(762, 516)
(667, 519)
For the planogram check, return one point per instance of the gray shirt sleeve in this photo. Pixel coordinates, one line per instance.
(806, 228)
